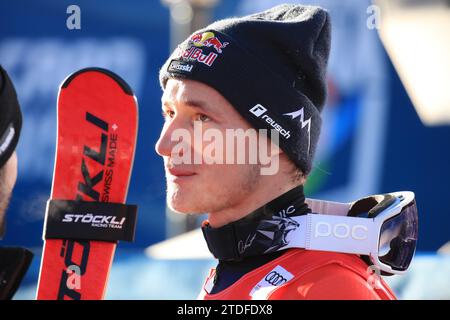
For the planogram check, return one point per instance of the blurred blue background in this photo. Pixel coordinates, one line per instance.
(373, 140)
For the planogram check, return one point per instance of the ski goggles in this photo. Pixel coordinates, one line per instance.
(381, 228)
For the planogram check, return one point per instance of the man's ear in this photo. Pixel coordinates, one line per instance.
(10, 173)
(269, 155)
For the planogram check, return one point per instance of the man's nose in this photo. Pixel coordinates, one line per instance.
(163, 145)
(170, 136)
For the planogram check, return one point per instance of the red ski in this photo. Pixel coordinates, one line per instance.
(86, 216)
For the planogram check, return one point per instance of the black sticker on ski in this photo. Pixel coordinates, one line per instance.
(67, 219)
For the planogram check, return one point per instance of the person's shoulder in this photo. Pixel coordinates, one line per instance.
(335, 281)
(312, 259)
(330, 275)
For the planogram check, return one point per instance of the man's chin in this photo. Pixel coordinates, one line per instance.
(183, 208)
(181, 200)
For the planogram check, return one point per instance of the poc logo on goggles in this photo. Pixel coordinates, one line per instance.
(340, 230)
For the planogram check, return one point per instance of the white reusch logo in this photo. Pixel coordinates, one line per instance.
(275, 278)
(259, 111)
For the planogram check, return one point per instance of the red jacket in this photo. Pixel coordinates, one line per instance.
(306, 275)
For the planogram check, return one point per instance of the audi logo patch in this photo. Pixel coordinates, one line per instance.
(275, 278)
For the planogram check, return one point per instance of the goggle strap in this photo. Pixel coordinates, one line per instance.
(328, 207)
(335, 233)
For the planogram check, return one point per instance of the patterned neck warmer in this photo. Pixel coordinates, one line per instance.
(262, 231)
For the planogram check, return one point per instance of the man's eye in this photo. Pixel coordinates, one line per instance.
(202, 117)
(168, 114)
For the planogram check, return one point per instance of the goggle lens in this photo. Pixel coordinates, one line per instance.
(398, 238)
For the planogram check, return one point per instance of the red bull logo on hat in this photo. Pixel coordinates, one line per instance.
(194, 50)
(208, 39)
(196, 54)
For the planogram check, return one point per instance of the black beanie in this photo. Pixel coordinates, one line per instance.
(271, 66)
(10, 118)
